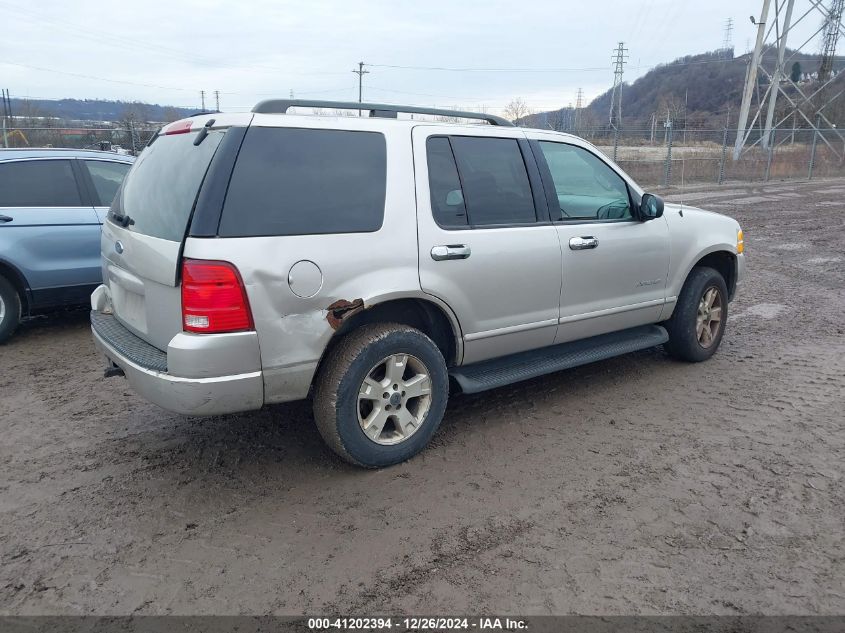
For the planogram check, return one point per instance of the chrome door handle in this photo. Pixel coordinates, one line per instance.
(450, 251)
(583, 243)
(5, 218)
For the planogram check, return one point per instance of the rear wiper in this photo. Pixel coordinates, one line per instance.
(203, 132)
(121, 220)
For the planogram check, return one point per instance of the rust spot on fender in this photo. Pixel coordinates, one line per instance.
(341, 310)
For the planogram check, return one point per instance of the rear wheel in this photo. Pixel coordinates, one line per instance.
(10, 309)
(381, 395)
(698, 322)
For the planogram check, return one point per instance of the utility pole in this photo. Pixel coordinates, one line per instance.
(217, 100)
(360, 72)
(202, 99)
(653, 123)
(291, 93)
(751, 80)
(7, 115)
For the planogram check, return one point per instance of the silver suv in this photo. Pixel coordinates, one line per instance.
(367, 262)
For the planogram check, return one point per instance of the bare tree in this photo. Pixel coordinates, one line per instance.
(37, 126)
(517, 109)
(132, 123)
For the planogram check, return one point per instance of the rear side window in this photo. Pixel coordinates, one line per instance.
(38, 183)
(291, 181)
(495, 182)
(159, 192)
(447, 198)
(106, 176)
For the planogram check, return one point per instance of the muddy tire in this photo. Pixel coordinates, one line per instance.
(10, 309)
(698, 322)
(381, 394)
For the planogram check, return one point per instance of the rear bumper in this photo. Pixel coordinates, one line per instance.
(146, 368)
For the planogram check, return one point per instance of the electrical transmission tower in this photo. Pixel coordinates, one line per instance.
(727, 44)
(620, 56)
(217, 100)
(831, 36)
(802, 100)
(579, 103)
(202, 99)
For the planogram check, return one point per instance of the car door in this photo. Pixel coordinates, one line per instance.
(104, 178)
(49, 230)
(614, 266)
(486, 245)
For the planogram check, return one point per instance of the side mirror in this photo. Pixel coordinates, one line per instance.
(651, 207)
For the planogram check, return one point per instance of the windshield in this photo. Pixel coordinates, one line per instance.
(159, 192)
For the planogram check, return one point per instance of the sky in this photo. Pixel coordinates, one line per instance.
(469, 54)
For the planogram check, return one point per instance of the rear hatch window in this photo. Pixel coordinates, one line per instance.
(159, 193)
(292, 181)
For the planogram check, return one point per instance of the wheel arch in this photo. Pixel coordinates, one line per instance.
(427, 314)
(723, 260)
(18, 281)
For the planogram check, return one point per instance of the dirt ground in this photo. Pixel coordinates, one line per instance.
(638, 485)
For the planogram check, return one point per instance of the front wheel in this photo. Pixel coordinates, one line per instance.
(381, 394)
(698, 322)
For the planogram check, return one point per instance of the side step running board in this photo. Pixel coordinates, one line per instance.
(498, 372)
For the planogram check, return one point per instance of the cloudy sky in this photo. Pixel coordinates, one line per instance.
(441, 52)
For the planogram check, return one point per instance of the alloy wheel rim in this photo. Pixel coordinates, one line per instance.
(2, 310)
(709, 317)
(394, 399)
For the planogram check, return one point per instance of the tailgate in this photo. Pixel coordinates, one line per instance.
(146, 226)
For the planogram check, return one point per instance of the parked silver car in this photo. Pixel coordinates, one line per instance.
(52, 203)
(366, 262)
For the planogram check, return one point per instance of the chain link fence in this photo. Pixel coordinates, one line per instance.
(129, 140)
(668, 157)
(655, 157)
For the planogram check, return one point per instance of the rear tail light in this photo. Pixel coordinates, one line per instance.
(213, 298)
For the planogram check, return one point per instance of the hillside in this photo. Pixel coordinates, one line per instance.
(97, 110)
(698, 91)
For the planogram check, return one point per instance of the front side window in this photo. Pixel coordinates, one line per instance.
(38, 183)
(106, 176)
(586, 187)
(495, 182)
(292, 181)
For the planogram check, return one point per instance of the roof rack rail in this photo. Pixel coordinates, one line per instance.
(281, 106)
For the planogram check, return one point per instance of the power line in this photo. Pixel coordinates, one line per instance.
(94, 77)
(552, 70)
(489, 70)
(102, 38)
